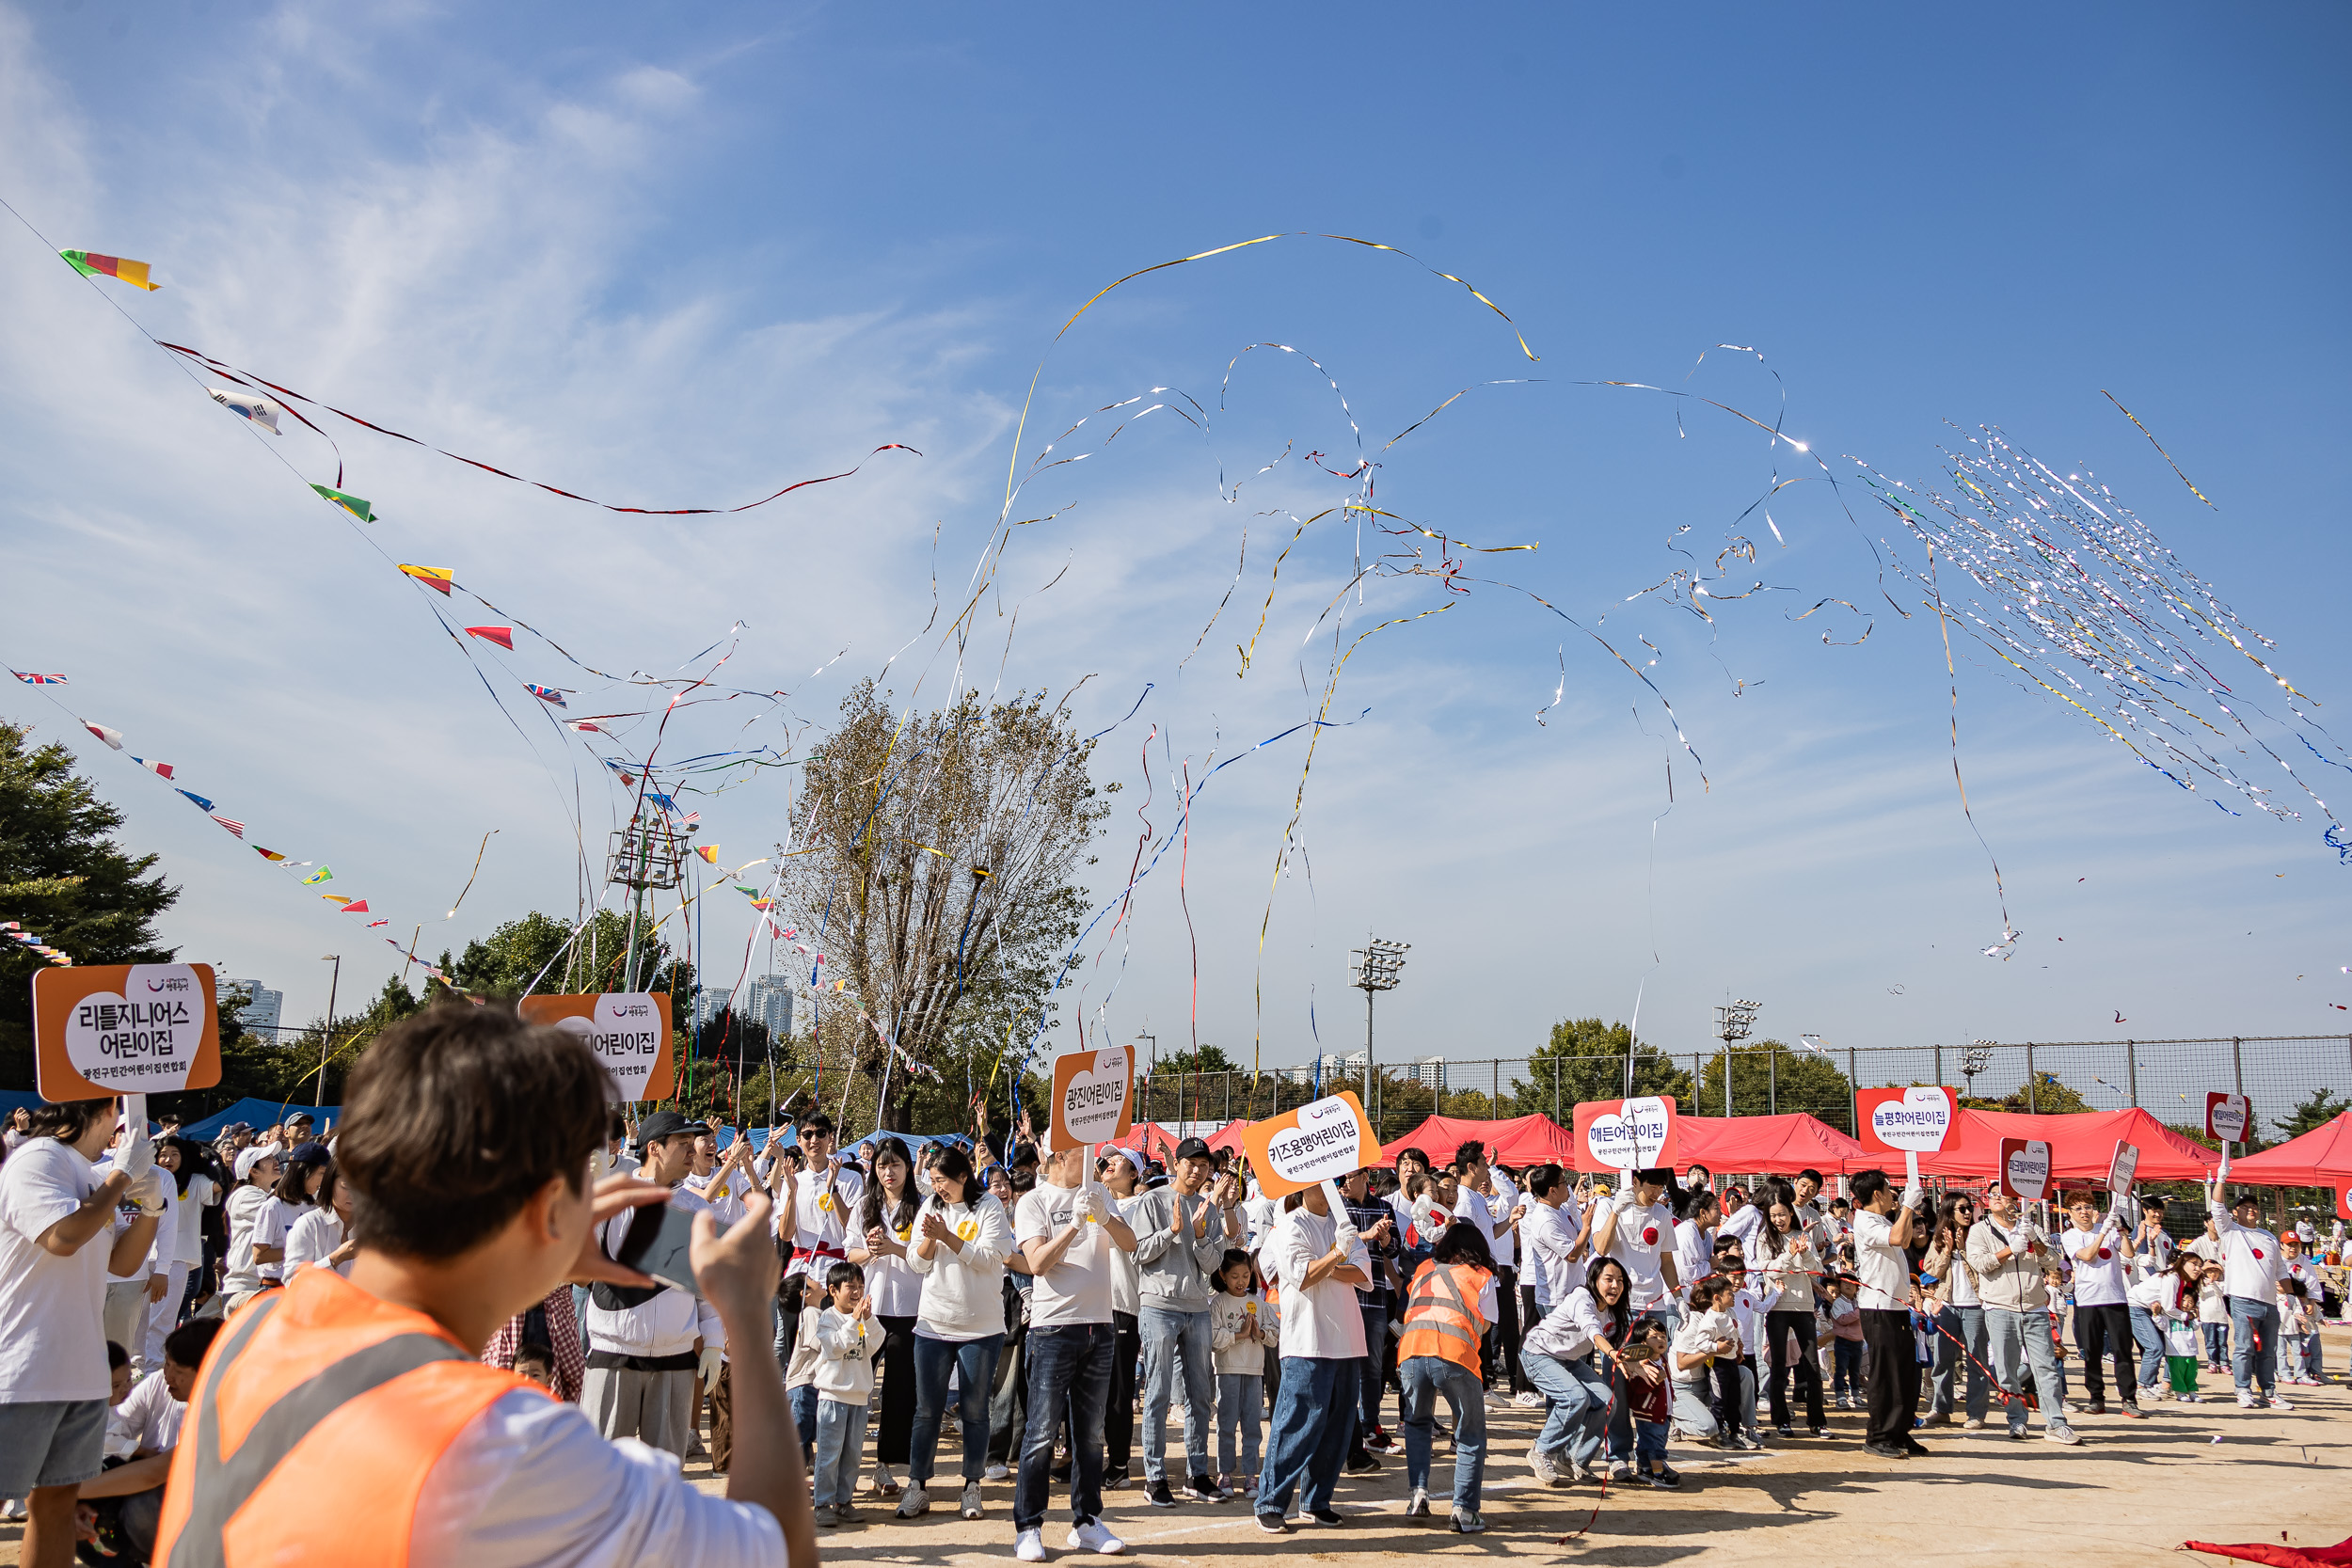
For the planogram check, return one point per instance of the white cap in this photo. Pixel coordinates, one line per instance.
(251, 1157)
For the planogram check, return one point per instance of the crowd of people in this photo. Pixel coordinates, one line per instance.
(839, 1315)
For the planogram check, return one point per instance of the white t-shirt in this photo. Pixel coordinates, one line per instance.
(2098, 1281)
(530, 1484)
(2249, 1259)
(150, 1415)
(1643, 1232)
(276, 1219)
(201, 1191)
(1322, 1322)
(1879, 1264)
(1698, 1336)
(244, 1215)
(1694, 1254)
(53, 1338)
(312, 1240)
(1077, 1289)
(1502, 1240)
(896, 1289)
(821, 1218)
(1548, 1233)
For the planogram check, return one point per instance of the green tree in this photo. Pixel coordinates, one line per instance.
(1768, 1074)
(65, 878)
(2318, 1109)
(1587, 1057)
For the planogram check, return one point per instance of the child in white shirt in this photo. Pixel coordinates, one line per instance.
(1242, 1324)
(848, 1339)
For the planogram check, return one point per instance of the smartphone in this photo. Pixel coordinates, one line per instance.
(656, 1240)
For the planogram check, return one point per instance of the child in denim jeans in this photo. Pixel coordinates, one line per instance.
(800, 1363)
(1652, 1406)
(1241, 1326)
(1845, 1322)
(848, 1339)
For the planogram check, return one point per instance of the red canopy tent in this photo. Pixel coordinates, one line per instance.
(2081, 1144)
(1531, 1140)
(2320, 1158)
(1227, 1136)
(1150, 1139)
(1775, 1146)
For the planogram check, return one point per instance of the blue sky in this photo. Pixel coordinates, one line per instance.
(683, 258)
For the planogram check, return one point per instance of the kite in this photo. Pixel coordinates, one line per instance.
(161, 770)
(373, 924)
(544, 693)
(323, 874)
(502, 636)
(435, 577)
(350, 503)
(89, 263)
(39, 680)
(231, 823)
(202, 804)
(112, 738)
(253, 406)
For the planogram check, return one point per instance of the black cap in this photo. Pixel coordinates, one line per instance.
(667, 1124)
(1193, 1148)
(308, 1154)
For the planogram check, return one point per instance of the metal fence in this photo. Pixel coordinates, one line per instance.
(2168, 1078)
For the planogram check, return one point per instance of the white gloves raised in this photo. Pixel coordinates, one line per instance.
(713, 1358)
(136, 1155)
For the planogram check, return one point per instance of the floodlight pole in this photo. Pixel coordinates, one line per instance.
(1733, 1021)
(1378, 966)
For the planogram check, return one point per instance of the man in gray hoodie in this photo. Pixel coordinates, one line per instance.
(1181, 1238)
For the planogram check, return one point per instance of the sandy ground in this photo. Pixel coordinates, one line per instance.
(2131, 1494)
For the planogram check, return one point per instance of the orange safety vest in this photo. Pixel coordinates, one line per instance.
(1443, 1319)
(318, 1415)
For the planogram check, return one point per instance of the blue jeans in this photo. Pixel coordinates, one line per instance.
(1240, 1413)
(2216, 1342)
(973, 1361)
(804, 1403)
(2255, 1359)
(1310, 1434)
(1070, 1376)
(1425, 1378)
(2149, 1339)
(840, 1445)
(1977, 1351)
(1579, 1397)
(2021, 1341)
(1650, 1443)
(1847, 1377)
(1167, 1337)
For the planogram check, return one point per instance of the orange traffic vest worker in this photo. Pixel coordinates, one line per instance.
(1441, 1316)
(307, 1389)
(348, 1420)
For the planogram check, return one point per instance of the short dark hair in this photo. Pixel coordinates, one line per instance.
(186, 1345)
(1405, 1154)
(457, 1115)
(1658, 1175)
(1471, 1153)
(815, 1121)
(66, 1120)
(1463, 1244)
(1809, 1174)
(2151, 1206)
(617, 1129)
(844, 1273)
(117, 1357)
(1544, 1178)
(1868, 1184)
(534, 1351)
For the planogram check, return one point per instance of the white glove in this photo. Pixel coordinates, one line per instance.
(147, 1190)
(137, 1156)
(712, 1359)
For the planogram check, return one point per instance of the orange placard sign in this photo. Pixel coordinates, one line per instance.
(629, 1032)
(1322, 1142)
(101, 1030)
(1093, 1091)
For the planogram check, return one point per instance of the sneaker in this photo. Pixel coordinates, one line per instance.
(1528, 1401)
(971, 1505)
(1886, 1450)
(998, 1472)
(2246, 1400)
(847, 1514)
(1935, 1418)
(2058, 1432)
(1974, 1423)
(1419, 1507)
(1325, 1516)
(1029, 1547)
(1200, 1489)
(1820, 1432)
(1362, 1465)
(2188, 1399)
(1273, 1524)
(1620, 1469)
(2132, 1411)
(1158, 1496)
(1917, 1450)
(827, 1518)
(1547, 1473)
(1746, 1441)
(1466, 1522)
(1662, 1479)
(1784, 1431)
(1379, 1441)
(1116, 1479)
(885, 1484)
(2278, 1404)
(2017, 1433)
(916, 1503)
(1092, 1537)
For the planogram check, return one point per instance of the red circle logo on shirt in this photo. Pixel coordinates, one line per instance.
(2258, 1255)
(1649, 1237)
(2106, 1253)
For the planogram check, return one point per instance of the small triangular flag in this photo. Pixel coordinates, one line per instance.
(435, 577)
(502, 636)
(89, 263)
(349, 502)
(161, 770)
(112, 738)
(200, 799)
(358, 906)
(323, 874)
